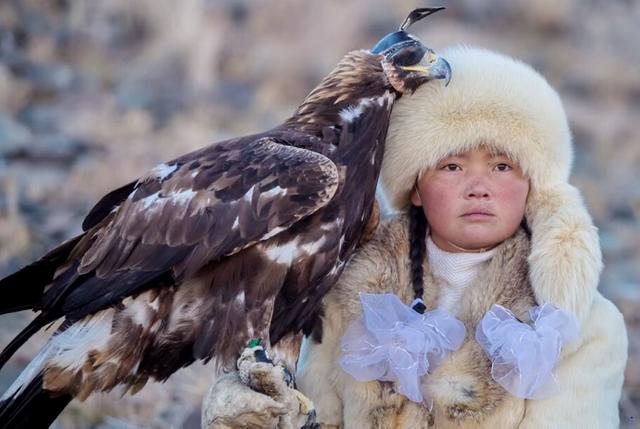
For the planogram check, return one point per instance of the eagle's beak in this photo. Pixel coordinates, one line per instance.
(436, 67)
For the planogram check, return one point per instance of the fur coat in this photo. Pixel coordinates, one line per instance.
(462, 389)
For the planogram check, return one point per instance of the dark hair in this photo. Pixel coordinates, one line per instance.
(417, 252)
(525, 225)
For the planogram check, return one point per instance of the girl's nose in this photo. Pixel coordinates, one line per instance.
(477, 188)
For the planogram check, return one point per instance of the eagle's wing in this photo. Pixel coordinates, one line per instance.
(202, 206)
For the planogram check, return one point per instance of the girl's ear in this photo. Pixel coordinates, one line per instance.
(415, 197)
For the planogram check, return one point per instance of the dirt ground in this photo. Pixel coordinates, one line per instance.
(94, 93)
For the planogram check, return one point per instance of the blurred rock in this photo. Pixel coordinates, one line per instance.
(51, 148)
(13, 136)
(52, 78)
(14, 231)
(551, 16)
(5, 79)
(40, 118)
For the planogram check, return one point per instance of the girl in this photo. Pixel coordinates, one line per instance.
(497, 250)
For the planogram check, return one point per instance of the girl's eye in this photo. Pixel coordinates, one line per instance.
(503, 167)
(451, 167)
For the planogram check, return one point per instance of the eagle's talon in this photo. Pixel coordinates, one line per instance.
(311, 420)
(306, 405)
(306, 409)
(275, 382)
(254, 352)
(288, 377)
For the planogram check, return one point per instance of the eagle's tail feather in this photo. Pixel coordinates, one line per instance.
(32, 407)
(24, 289)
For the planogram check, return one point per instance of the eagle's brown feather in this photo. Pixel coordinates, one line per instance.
(259, 185)
(238, 240)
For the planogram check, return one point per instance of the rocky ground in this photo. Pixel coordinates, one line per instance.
(93, 93)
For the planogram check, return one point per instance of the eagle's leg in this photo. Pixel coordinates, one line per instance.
(255, 352)
(258, 371)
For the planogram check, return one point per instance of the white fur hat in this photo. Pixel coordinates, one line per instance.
(503, 103)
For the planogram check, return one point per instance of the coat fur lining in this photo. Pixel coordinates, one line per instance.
(462, 388)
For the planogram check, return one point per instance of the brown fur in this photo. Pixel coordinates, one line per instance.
(462, 388)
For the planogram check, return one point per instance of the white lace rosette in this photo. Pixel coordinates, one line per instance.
(524, 355)
(392, 342)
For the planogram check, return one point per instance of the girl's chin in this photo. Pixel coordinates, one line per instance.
(478, 241)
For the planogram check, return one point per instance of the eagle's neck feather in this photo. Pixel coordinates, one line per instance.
(357, 77)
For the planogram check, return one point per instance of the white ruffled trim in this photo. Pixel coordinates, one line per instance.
(524, 356)
(392, 342)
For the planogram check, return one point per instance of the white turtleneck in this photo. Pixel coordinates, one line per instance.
(457, 269)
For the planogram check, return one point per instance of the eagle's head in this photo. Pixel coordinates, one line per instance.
(406, 61)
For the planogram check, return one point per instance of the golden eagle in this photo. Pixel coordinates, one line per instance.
(236, 241)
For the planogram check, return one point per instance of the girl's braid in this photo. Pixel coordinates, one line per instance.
(417, 251)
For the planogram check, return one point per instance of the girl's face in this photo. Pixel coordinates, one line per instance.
(474, 200)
